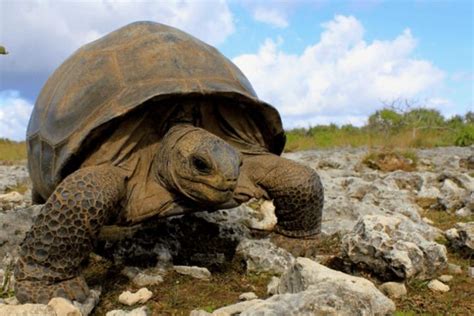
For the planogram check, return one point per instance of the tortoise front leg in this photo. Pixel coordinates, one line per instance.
(62, 235)
(295, 189)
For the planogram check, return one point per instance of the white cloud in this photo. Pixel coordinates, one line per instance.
(14, 115)
(340, 76)
(271, 16)
(41, 34)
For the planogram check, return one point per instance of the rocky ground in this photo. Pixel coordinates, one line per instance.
(393, 242)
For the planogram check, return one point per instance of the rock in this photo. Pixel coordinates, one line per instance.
(199, 312)
(64, 307)
(454, 268)
(91, 301)
(248, 296)
(272, 287)
(195, 272)
(11, 301)
(235, 309)
(437, 286)
(327, 285)
(394, 289)
(13, 227)
(461, 238)
(12, 197)
(143, 279)
(27, 310)
(265, 218)
(141, 296)
(393, 248)
(463, 212)
(13, 176)
(470, 272)
(140, 311)
(445, 278)
(454, 190)
(263, 256)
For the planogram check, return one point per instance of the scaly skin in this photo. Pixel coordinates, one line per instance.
(295, 189)
(63, 234)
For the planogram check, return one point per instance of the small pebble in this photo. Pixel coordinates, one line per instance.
(437, 286)
(248, 296)
(141, 296)
(454, 268)
(445, 278)
(394, 289)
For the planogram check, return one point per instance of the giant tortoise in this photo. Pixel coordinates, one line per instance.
(145, 122)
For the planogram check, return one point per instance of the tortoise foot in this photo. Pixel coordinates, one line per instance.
(40, 292)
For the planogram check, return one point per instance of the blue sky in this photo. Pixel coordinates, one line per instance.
(316, 61)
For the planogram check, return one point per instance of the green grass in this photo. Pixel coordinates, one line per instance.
(11, 151)
(333, 137)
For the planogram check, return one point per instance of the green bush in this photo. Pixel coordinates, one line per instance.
(465, 136)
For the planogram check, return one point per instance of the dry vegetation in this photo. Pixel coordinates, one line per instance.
(11, 151)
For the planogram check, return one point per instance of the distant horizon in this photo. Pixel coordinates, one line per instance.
(318, 62)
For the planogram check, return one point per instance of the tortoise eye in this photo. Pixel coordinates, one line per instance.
(201, 165)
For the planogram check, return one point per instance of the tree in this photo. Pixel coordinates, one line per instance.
(385, 120)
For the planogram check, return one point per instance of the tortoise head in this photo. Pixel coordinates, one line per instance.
(197, 164)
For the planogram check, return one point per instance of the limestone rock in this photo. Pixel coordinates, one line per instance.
(454, 268)
(140, 311)
(195, 272)
(199, 312)
(64, 307)
(13, 227)
(89, 304)
(263, 256)
(445, 278)
(248, 296)
(272, 287)
(27, 310)
(141, 296)
(235, 309)
(437, 286)
(13, 197)
(461, 237)
(317, 285)
(394, 289)
(393, 247)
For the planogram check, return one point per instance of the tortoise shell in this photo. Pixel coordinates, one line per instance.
(110, 77)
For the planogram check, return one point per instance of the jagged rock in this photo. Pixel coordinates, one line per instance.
(89, 304)
(437, 286)
(262, 255)
(27, 310)
(195, 272)
(463, 212)
(64, 307)
(141, 296)
(140, 311)
(13, 227)
(445, 278)
(393, 289)
(272, 287)
(235, 309)
(12, 197)
(461, 238)
(143, 279)
(13, 176)
(146, 277)
(393, 248)
(248, 296)
(317, 290)
(199, 312)
(454, 268)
